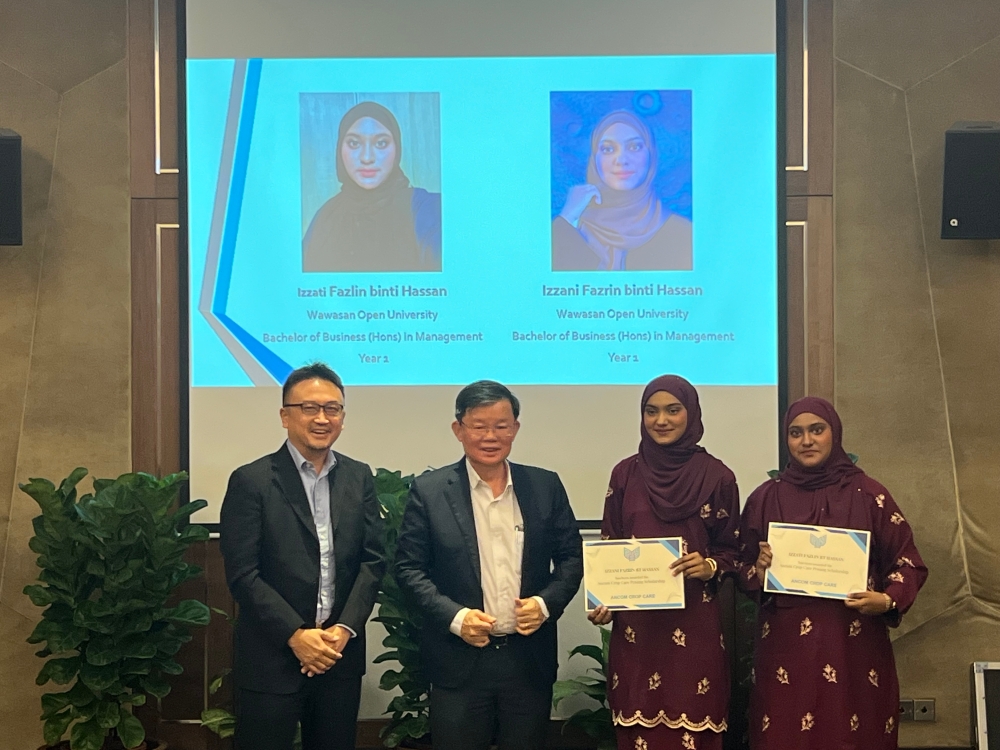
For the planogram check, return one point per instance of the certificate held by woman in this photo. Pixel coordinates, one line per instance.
(633, 573)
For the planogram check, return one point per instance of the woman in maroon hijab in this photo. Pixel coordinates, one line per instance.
(668, 672)
(824, 674)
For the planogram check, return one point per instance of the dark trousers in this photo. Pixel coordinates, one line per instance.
(327, 709)
(504, 699)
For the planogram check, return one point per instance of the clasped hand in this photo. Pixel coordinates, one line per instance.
(316, 649)
(477, 625)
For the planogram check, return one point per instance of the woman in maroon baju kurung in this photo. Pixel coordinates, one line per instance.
(824, 674)
(668, 671)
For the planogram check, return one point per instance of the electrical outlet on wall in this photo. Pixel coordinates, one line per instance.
(905, 709)
(923, 709)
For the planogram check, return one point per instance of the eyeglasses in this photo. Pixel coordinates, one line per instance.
(480, 431)
(311, 409)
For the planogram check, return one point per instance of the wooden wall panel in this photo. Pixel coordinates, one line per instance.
(808, 106)
(153, 98)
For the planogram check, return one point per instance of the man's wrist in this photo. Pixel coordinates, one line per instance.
(542, 605)
(350, 631)
(457, 620)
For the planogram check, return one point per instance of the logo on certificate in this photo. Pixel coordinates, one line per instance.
(817, 540)
(631, 554)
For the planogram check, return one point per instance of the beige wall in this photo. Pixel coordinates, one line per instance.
(64, 295)
(918, 324)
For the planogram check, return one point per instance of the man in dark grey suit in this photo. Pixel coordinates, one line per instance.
(302, 542)
(491, 553)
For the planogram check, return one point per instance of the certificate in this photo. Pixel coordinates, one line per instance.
(632, 574)
(817, 560)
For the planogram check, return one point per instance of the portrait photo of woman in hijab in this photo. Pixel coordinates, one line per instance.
(377, 220)
(629, 207)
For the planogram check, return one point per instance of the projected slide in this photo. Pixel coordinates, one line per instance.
(565, 220)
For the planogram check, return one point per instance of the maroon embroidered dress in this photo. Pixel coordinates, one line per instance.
(668, 669)
(824, 675)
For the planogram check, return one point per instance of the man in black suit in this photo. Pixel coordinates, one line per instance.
(491, 553)
(302, 542)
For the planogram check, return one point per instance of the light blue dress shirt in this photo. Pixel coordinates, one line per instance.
(317, 487)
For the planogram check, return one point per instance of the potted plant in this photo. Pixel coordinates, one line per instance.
(409, 723)
(595, 722)
(110, 561)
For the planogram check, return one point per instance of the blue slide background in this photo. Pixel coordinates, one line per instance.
(496, 212)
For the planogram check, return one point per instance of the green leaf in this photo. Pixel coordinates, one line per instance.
(52, 703)
(169, 666)
(130, 731)
(594, 652)
(108, 714)
(155, 685)
(391, 679)
(386, 656)
(60, 671)
(190, 612)
(103, 651)
(40, 596)
(219, 720)
(80, 695)
(87, 735)
(216, 684)
(592, 688)
(43, 492)
(98, 678)
(193, 533)
(229, 618)
(138, 648)
(55, 726)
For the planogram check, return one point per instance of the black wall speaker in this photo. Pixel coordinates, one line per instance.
(10, 188)
(971, 209)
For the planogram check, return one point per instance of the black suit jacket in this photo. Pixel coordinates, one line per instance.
(271, 551)
(437, 563)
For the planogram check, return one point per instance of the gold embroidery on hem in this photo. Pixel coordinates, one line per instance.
(683, 722)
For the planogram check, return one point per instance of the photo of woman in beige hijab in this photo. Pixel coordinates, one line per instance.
(615, 221)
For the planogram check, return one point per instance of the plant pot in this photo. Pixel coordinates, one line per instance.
(149, 744)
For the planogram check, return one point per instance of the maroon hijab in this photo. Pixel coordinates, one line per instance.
(838, 467)
(677, 479)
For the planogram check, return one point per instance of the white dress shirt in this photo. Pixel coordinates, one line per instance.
(500, 538)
